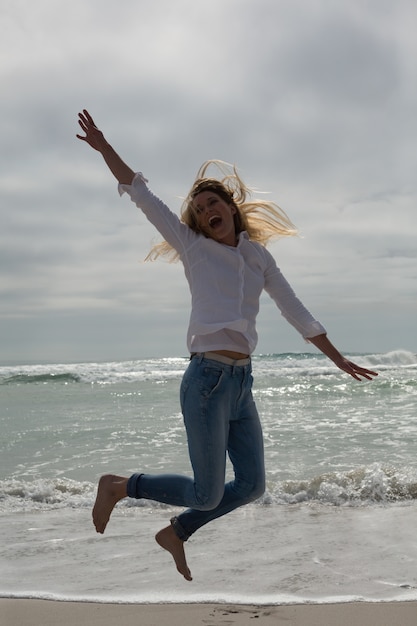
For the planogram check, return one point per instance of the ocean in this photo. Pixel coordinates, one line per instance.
(337, 521)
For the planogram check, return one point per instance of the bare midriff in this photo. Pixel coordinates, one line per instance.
(236, 356)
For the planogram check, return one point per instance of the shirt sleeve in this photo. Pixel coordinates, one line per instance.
(292, 309)
(175, 232)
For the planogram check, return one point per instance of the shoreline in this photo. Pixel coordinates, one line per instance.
(32, 612)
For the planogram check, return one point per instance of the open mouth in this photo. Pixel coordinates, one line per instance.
(215, 221)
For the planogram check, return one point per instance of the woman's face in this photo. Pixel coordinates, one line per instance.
(215, 217)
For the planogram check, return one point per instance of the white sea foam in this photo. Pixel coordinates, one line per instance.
(172, 368)
(359, 487)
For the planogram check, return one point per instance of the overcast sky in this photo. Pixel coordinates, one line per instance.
(315, 102)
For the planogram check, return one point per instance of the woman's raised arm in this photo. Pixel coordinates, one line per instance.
(95, 138)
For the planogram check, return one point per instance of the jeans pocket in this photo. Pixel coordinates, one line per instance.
(210, 380)
(200, 384)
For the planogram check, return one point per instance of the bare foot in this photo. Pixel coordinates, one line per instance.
(168, 540)
(110, 490)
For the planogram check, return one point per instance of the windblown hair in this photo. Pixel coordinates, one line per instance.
(261, 219)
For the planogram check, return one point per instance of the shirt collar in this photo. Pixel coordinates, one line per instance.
(242, 236)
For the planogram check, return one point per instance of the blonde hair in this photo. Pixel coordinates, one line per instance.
(263, 220)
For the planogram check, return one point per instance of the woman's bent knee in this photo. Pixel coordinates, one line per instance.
(258, 491)
(249, 492)
(208, 502)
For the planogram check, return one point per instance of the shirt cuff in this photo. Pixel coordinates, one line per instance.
(137, 179)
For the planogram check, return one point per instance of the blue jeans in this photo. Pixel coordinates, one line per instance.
(220, 417)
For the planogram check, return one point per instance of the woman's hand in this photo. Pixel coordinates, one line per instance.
(93, 136)
(355, 370)
(323, 343)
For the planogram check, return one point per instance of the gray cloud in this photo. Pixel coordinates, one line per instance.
(314, 103)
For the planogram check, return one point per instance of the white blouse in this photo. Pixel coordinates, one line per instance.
(225, 282)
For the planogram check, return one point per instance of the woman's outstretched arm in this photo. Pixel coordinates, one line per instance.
(95, 138)
(324, 344)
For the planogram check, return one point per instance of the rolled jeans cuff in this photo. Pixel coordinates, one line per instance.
(132, 488)
(178, 529)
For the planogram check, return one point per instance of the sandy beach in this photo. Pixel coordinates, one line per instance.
(22, 612)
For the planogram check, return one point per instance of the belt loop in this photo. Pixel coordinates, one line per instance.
(197, 355)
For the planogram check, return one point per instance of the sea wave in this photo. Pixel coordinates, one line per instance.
(402, 358)
(373, 484)
(47, 377)
(94, 373)
(160, 369)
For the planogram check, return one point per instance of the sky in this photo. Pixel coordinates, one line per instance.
(313, 100)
